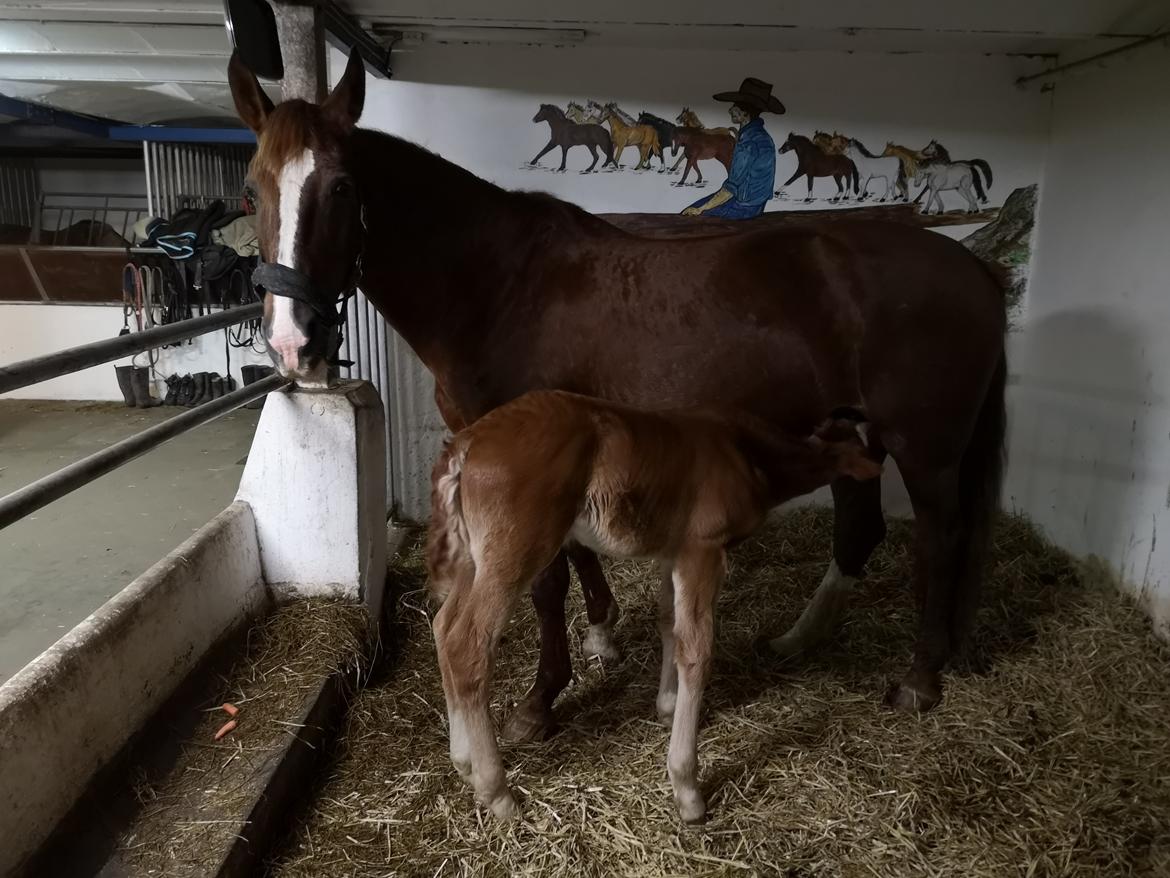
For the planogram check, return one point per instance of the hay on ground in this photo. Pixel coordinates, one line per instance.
(189, 816)
(1054, 760)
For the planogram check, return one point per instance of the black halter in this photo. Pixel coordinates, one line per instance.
(280, 280)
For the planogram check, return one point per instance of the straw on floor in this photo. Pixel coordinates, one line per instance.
(1053, 759)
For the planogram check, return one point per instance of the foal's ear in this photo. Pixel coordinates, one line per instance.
(252, 104)
(345, 102)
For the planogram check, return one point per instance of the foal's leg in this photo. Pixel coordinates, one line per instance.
(600, 606)
(668, 680)
(858, 529)
(697, 577)
(467, 632)
(533, 717)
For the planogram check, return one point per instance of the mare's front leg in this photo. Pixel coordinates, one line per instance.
(540, 154)
(600, 606)
(533, 717)
(858, 529)
(698, 575)
(564, 156)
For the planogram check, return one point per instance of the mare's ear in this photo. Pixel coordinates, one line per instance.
(840, 440)
(345, 102)
(252, 104)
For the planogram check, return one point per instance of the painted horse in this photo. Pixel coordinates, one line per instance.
(812, 161)
(566, 134)
(502, 292)
(624, 131)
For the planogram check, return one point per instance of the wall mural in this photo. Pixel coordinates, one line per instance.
(741, 160)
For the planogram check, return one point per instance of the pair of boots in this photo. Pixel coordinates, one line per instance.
(134, 382)
(196, 389)
(252, 374)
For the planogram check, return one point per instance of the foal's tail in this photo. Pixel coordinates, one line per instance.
(449, 558)
(980, 481)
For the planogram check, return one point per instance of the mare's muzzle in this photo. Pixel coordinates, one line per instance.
(280, 280)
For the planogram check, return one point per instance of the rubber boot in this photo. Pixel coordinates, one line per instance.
(251, 375)
(173, 383)
(140, 381)
(216, 385)
(198, 389)
(186, 391)
(125, 384)
(229, 384)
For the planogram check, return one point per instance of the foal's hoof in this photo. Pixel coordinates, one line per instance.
(914, 697)
(528, 722)
(691, 808)
(504, 807)
(664, 704)
(598, 643)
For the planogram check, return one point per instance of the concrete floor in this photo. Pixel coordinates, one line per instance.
(65, 560)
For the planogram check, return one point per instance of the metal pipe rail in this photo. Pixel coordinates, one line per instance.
(56, 485)
(39, 369)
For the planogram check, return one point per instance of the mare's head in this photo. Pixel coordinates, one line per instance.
(310, 215)
(548, 113)
(790, 143)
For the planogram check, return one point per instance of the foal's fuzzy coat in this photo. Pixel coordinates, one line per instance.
(552, 467)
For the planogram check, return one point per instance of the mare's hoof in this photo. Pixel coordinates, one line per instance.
(785, 647)
(528, 723)
(909, 697)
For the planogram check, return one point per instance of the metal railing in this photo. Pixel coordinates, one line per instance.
(45, 490)
(87, 219)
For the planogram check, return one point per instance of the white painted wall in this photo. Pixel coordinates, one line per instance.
(125, 176)
(1090, 455)
(474, 106)
(31, 330)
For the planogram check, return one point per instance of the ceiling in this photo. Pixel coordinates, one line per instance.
(164, 61)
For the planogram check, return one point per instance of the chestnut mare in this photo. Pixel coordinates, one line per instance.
(500, 293)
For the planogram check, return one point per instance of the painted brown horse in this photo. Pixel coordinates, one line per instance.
(812, 161)
(504, 292)
(565, 133)
(698, 145)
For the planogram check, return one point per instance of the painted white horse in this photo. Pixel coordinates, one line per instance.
(580, 115)
(942, 176)
(872, 167)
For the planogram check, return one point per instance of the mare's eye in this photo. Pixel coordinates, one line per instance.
(343, 188)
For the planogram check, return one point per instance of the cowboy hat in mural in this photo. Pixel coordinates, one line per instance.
(754, 93)
(753, 164)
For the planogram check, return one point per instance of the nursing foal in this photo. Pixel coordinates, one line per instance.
(552, 467)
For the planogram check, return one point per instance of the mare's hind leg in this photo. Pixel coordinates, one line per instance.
(592, 152)
(938, 547)
(858, 529)
(533, 717)
(600, 606)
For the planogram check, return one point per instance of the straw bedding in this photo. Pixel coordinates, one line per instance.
(1050, 755)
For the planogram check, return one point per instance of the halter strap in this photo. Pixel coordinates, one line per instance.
(280, 280)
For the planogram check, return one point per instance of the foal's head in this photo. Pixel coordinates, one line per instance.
(310, 215)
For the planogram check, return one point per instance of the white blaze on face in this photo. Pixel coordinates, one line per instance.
(287, 339)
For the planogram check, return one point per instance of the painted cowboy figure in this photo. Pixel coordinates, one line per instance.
(750, 181)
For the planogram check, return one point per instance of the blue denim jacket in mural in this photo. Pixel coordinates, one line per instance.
(753, 165)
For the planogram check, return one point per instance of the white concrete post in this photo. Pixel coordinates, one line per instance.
(316, 482)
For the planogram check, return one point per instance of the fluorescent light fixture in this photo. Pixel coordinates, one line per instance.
(416, 35)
